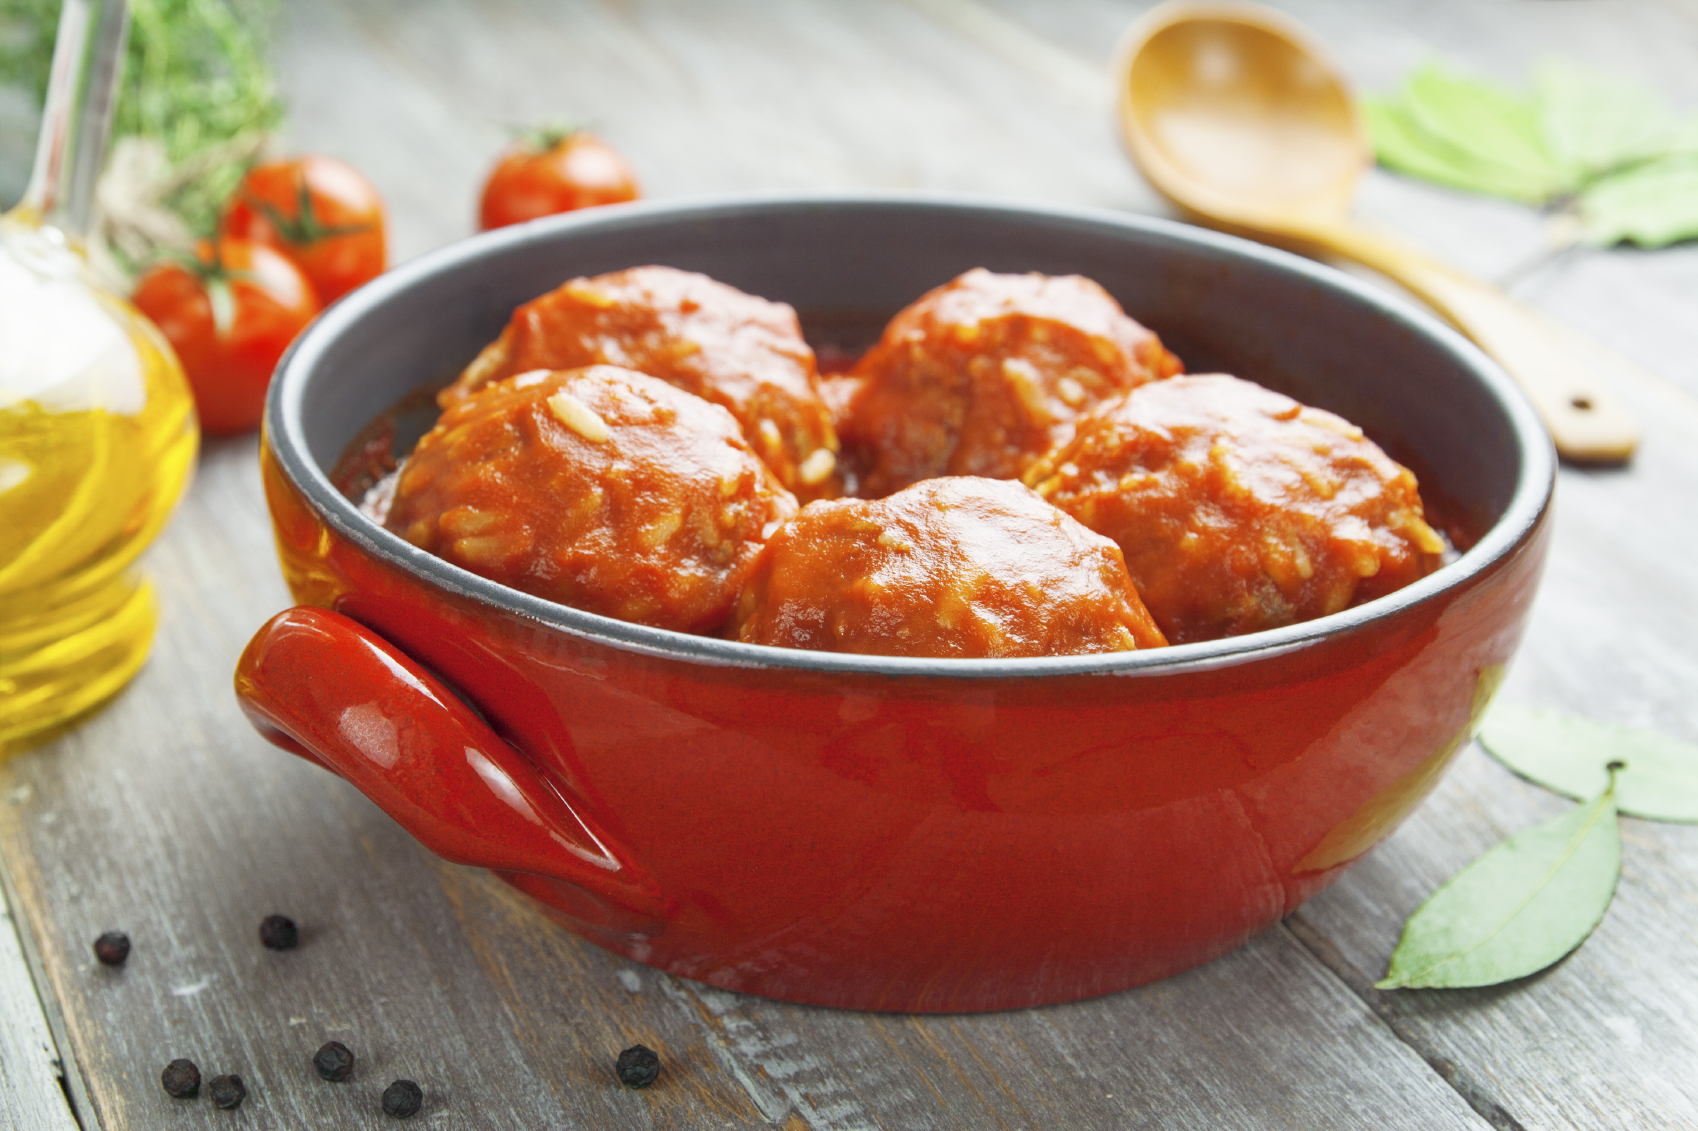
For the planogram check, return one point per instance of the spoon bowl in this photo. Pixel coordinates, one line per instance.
(1236, 115)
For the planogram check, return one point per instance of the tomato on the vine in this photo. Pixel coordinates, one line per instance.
(320, 212)
(553, 171)
(230, 314)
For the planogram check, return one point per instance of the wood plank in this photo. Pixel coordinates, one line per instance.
(166, 816)
(1491, 238)
(31, 1098)
(742, 95)
(441, 972)
(1376, 45)
(145, 819)
(1605, 1038)
(1253, 1040)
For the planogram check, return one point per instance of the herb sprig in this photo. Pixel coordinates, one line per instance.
(196, 82)
(196, 78)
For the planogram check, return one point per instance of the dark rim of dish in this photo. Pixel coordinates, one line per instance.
(1536, 459)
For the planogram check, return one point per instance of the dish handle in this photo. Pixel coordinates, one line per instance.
(326, 688)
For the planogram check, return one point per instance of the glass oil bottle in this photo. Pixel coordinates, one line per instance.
(97, 424)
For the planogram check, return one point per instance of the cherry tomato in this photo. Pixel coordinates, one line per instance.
(553, 172)
(320, 212)
(229, 317)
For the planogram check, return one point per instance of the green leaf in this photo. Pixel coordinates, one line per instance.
(1653, 205)
(1497, 129)
(1567, 754)
(27, 30)
(1400, 143)
(1518, 908)
(1592, 122)
(1683, 136)
(195, 78)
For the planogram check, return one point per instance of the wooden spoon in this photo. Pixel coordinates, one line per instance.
(1237, 116)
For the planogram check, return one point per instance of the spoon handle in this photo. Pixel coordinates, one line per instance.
(1587, 422)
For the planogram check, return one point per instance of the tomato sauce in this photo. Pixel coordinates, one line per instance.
(729, 348)
(985, 374)
(1160, 508)
(958, 566)
(600, 488)
(1239, 509)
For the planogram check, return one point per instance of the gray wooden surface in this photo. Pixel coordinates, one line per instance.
(166, 816)
(30, 1092)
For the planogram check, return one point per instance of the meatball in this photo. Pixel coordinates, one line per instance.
(735, 350)
(960, 567)
(984, 375)
(599, 488)
(1239, 509)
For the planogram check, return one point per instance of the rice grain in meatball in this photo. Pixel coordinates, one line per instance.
(954, 567)
(985, 374)
(599, 488)
(732, 349)
(1239, 509)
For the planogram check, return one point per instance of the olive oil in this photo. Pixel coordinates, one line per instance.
(97, 424)
(97, 436)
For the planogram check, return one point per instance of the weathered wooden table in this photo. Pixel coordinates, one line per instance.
(166, 816)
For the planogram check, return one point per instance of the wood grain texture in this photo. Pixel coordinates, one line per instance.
(30, 1096)
(1231, 1045)
(167, 817)
(164, 815)
(161, 818)
(1606, 1037)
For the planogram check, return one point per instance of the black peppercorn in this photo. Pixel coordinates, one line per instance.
(638, 1066)
(227, 1091)
(333, 1061)
(112, 948)
(181, 1079)
(402, 1099)
(278, 932)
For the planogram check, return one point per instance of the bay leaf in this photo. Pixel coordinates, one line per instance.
(1567, 754)
(1400, 143)
(1683, 137)
(1592, 122)
(1518, 908)
(1653, 205)
(1496, 128)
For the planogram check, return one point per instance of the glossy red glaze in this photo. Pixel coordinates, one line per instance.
(888, 832)
(913, 842)
(320, 685)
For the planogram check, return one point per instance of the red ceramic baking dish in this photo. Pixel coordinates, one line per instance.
(878, 832)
